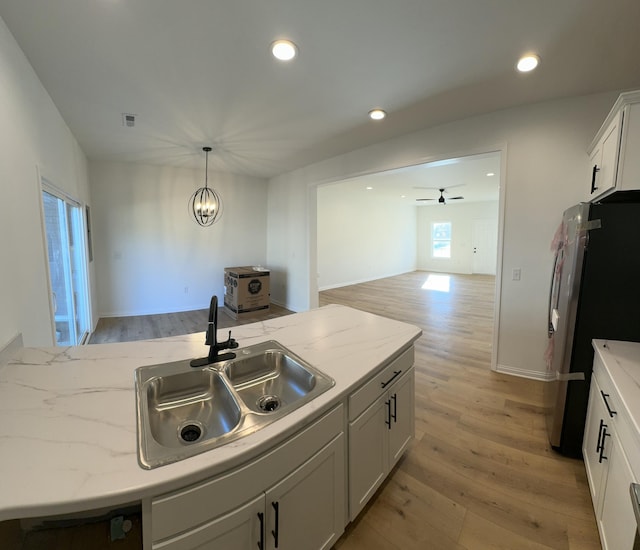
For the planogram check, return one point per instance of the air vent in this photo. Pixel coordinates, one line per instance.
(128, 120)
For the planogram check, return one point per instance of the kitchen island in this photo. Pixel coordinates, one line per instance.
(68, 415)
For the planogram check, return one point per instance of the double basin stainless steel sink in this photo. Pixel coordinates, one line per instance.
(183, 411)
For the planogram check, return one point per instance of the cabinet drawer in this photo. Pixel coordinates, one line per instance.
(607, 391)
(179, 511)
(379, 383)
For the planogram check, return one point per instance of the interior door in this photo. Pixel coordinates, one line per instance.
(66, 253)
(485, 247)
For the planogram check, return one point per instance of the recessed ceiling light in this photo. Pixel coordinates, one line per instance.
(490, 174)
(369, 188)
(377, 114)
(284, 50)
(528, 63)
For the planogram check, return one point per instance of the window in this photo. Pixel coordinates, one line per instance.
(441, 240)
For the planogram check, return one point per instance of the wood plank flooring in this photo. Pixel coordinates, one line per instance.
(144, 327)
(480, 474)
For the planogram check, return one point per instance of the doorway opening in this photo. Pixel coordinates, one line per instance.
(67, 262)
(376, 226)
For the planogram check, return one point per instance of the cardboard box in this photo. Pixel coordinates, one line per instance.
(246, 291)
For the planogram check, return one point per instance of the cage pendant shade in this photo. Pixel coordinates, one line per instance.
(205, 205)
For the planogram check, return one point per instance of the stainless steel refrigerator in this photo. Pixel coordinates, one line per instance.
(595, 293)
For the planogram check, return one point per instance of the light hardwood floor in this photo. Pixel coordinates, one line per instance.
(480, 474)
(144, 327)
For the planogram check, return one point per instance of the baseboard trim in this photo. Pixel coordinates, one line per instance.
(13, 345)
(523, 373)
(152, 312)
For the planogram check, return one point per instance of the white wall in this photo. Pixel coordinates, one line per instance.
(147, 249)
(34, 139)
(462, 217)
(362, 236)
(545, 171)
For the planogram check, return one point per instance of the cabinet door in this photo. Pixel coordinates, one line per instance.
(238, 530)
(368, 454)
(594, 449)
(617, 521)
(609, 145)
(402, 411)
(306, 510)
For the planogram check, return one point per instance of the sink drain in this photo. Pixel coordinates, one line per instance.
(269, 403)
(190, 433)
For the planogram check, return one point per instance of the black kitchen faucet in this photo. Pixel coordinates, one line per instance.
(211, 340)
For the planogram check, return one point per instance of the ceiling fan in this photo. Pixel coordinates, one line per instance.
(441, 199)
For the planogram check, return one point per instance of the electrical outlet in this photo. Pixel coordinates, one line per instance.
(516, 274)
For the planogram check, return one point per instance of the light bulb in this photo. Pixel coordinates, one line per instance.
(528, 63)
(284, 50)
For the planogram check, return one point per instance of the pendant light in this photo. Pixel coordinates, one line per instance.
(205, 205)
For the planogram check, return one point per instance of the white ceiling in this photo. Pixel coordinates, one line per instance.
(466, 176)
(199, 72)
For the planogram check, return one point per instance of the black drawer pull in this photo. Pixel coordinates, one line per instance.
(611, 412)
(396, 373)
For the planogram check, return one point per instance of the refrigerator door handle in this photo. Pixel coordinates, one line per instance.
(550, 327)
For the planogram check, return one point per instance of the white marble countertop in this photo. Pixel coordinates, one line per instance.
(68, 415)
(622, 360)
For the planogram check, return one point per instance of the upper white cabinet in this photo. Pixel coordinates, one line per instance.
(615, 151)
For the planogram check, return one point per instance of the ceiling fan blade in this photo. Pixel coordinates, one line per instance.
(426, 199)
(454, 198)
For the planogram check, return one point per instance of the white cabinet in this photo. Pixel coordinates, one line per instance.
(381, 432)
(616, 521)
(306, 509)
(596, 444)
(293, 497)
(238, 530)
(604, 159)
(606, 451)
(614, 153)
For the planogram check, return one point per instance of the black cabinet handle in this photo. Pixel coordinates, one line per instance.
(593, 177)
(261, 542)
(598, 445)
(388, 419)
(275, 533)
(396, 373)
(611, 412)
(395, 408)
(601, 457)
